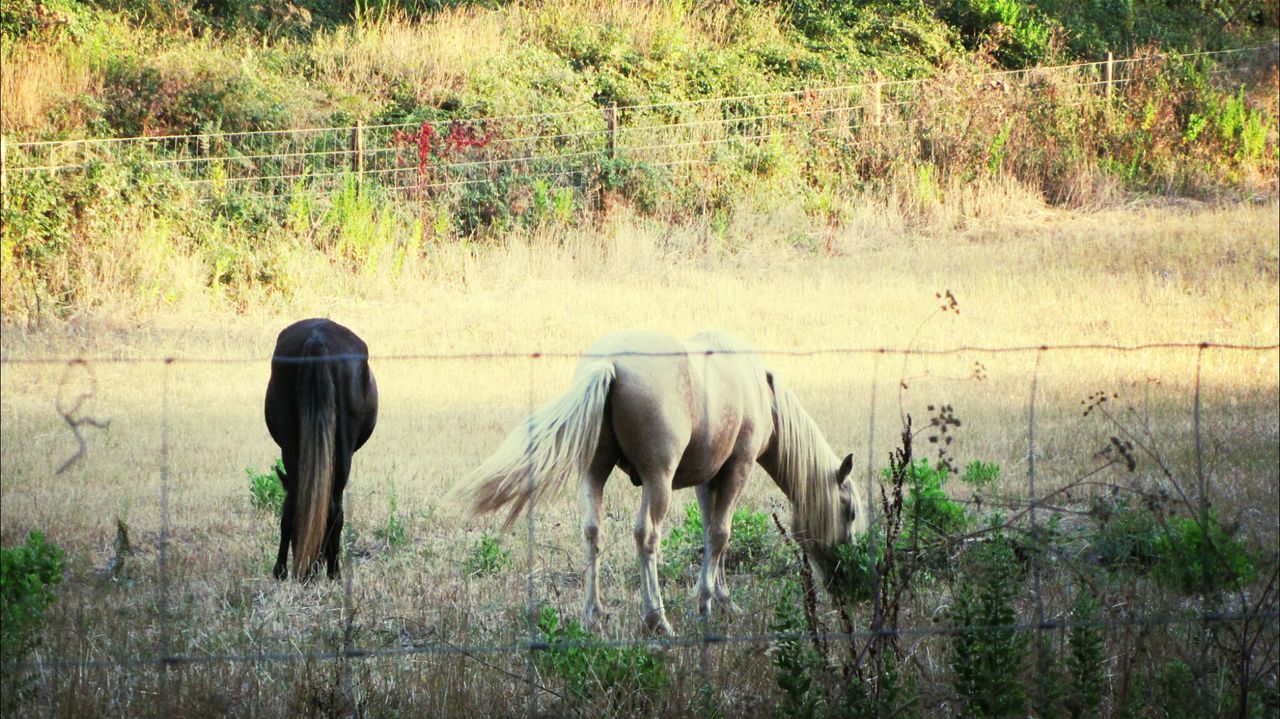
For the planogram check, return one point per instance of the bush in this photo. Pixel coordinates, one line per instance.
(1124, 536)
(629, 677)
(752, 543)
(987, 652)
(266, 490)
(1196, 557)
(929, 516)
(1086, 660)
(28, 575)
(854, 576)
(1020, 32)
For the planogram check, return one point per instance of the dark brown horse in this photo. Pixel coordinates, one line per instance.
(322, 404)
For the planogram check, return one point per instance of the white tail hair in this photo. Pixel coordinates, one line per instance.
(558, 440)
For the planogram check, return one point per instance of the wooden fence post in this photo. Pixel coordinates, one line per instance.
(1111, 62)
(876, 109)
(611, 118)
(357, 149)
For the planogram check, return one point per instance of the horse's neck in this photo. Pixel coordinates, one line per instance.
(774, 461)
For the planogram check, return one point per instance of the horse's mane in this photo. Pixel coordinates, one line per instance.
(805, 468)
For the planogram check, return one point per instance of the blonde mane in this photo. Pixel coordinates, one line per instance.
(806, 469)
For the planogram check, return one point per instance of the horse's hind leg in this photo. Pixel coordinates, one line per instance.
(716, 499)
(592, 493)
(333, 541)
(648, 532)
(287, 520)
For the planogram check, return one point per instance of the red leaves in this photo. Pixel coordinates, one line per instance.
(429, 143)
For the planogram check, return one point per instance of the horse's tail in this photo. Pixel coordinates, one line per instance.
(557, 440)
(317, 414)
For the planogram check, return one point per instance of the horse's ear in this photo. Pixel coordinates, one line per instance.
(846, 468)
(768, 377)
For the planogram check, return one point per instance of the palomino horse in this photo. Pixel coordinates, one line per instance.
(322, 404)
(673, 414)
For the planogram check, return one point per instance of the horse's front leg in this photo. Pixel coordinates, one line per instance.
(287, 520)
(648, 532)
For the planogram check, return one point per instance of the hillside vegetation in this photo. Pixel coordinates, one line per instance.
(119, 236)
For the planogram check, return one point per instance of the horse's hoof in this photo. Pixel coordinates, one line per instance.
(594, 616)
(279, 572)
(657, 625)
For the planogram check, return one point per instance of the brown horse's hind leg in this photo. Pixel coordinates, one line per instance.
(287, 519)
(333, 541)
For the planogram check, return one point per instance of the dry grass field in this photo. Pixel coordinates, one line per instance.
(452, 351)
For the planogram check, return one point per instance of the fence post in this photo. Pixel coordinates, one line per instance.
(876, 110)
(1111, 63)
(611, 118)
(357, 150)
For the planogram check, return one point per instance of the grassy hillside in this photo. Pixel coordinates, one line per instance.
(128, 67)
(121, 236)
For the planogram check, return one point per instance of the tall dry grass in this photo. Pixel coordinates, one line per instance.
(431, 59)
(1027, 276)
(35, 80)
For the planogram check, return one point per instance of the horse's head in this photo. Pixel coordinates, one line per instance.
(850, 520)
(851, 515)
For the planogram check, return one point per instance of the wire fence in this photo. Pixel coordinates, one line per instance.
(1253, 612)
(553, 150)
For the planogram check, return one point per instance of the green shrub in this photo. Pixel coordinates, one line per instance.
(1196, 557)
(487, 557)
(796, 663)
(753, 542)
(1020, 32)
(1242, 129)
(987, 653)
(266, 491)
(929, 516)
(44, 20)
(629, 677)
(1123, 536)
(29, 573)
(980, 475)
(1086, 658)
(854, 576)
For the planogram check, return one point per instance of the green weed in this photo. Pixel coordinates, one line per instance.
(487, 557)
(393, 530)
(266, 491)
(29, 575)
(753, 542)
(628, 678)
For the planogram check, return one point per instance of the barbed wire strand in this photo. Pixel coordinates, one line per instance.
(763, 352)
(764, 638)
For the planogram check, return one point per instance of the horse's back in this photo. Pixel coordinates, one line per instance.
(689, 402)
(336, 339)
(300, 347)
